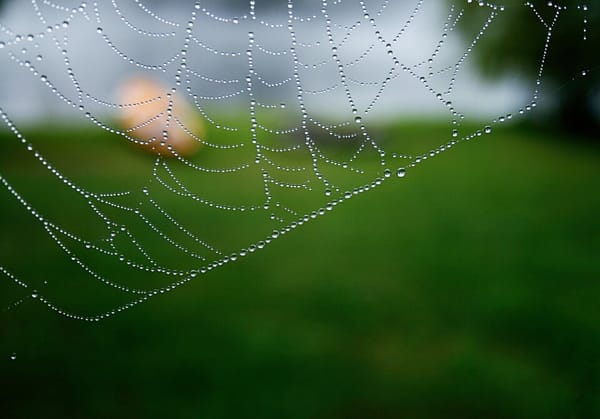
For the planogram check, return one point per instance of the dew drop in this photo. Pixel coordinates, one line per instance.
(401, 172)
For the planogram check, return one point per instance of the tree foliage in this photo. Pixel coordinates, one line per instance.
(515, 42)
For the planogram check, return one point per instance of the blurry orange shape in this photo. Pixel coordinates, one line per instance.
(160, 121)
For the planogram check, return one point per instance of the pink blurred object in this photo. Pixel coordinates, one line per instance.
(144, 114)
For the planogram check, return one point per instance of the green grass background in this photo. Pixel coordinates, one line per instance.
(469, 289)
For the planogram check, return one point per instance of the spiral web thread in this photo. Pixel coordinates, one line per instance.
(280, 139)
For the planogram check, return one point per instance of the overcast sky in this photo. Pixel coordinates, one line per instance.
(98, 68)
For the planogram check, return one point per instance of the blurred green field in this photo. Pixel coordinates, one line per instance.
(469, 289)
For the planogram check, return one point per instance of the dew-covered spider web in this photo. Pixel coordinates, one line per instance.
(246, 120)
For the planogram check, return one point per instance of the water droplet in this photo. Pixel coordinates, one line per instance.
(34, 294)
(488, 130)
(13, 356)
(401, 172)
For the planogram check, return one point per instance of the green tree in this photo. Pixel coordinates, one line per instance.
(515, 43)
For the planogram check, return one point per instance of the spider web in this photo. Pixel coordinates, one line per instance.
(290, 97)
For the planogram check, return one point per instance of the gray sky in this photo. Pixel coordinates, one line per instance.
(98, 68)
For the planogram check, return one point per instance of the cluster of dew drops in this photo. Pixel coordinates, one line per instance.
(387, 173)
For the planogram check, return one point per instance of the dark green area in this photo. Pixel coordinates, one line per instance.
(469, 289)
(562, 37)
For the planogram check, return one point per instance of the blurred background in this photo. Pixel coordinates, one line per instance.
(468, 289)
